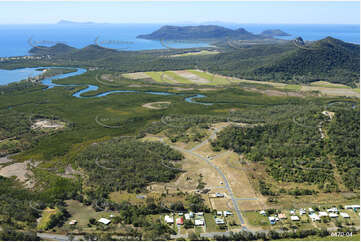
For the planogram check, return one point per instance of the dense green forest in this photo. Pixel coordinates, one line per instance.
(127, 164)
(293, 148)
(344, 145)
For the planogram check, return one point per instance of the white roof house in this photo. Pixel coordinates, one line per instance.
(292, 212)
(191, 214)
(262, 212)
(311, 210)
(104, 221)
(187, 216)
(226, 213)
(314, 217)
(199, 214)
(345, 215)
(199, 222)
(168, 219)
(295, 218)
(333, 215)
(219, 194)
(302, 211)
(322, 214)
(219, 213)
(332, 210)
(219, 221)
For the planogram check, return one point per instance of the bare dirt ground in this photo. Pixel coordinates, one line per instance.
(332, 91)
(136, 75)
(192, 77)
(276, 92)
(4, 160)
(151, 105)
(47, 124)
(20, 170)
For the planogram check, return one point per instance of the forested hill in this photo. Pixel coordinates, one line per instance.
(59, 48)
(327, 59)
(201, 32)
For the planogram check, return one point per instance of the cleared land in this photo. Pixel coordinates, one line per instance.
(202, 52)
(48, 124)
(200, 77)
(156, 105)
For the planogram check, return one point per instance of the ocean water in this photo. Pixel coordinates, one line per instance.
(17, 40)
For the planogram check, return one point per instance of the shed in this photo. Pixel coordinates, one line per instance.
(104, 221)
(72, 222)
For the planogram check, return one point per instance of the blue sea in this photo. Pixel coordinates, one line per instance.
(17, 40)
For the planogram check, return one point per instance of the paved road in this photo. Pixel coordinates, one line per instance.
(226, 183)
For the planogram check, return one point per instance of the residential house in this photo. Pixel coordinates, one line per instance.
(295, 218)
(345, 215)
(314, 217)
(168, 219)
(219, 221)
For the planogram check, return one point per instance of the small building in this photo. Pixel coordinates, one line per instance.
(322, 214)
(226, 213)
(354, 207)
(187, 216)
(295, 218)
(310, 210)
(180, 214)
(332, 210)
(199, 214)
(219, 194)
(180, 221)
(272, 220)
(104, 221)
(191, 214)
(333, 215)
(345, 215)
(302, 211)
(292, 212)
(199, 222)
(73, 222)
(219, 221)
(169, 219)
(262, 212)
(219, 213)
(282, 216)
(314, 217)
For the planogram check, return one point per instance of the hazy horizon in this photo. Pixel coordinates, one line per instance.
(153, 12)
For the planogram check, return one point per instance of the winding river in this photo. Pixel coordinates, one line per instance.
(13, 77)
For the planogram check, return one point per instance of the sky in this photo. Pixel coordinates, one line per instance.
(183, 12)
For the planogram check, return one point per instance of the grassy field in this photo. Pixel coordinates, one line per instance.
(45, 217)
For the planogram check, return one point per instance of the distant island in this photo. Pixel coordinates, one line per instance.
(72, 22)
(274, 33)
(208, 32)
